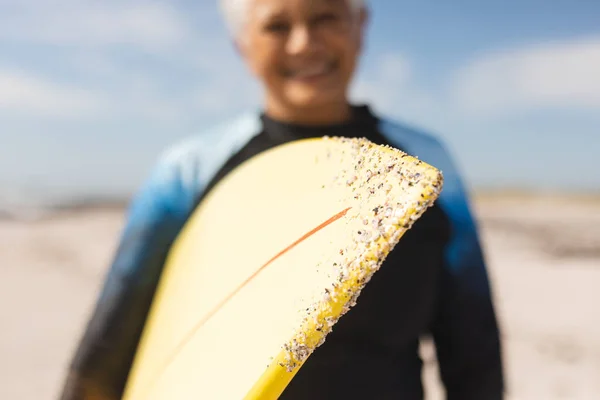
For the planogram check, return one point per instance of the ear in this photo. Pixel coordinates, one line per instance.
(363, 20)
(241, 48)
(242, 51)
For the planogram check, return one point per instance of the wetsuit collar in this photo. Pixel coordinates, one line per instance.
(360, 124)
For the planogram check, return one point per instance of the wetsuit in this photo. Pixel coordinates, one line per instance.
(434, 282)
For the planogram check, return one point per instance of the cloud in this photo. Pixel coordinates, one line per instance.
(224, 95)
(31, 95)
(382, 82)
(388, 84)
(224, 84)
(149, 25)
(192, 69)
(26, 94)
(394, 68)
(546, 76)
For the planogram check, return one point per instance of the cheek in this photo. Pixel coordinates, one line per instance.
(266, 63)
(342, 44)
(351, 52)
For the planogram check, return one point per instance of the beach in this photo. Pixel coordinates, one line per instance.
(544, 264)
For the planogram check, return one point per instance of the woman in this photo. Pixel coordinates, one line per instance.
(304, 53)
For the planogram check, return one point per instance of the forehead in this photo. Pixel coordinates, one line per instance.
(264, 8)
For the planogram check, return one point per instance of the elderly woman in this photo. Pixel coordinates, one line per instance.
(304, 53)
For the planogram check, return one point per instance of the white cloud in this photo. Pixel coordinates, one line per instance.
(394, 68)
(33, 96)
(392, 72)
(93, 63)
(149, 25)
(389, 86)
(225, 94)
(91, 77)
(29, 95)
(554, 75)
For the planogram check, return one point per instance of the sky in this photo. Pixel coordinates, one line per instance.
(91, 92)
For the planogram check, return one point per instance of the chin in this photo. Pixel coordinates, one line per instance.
(314, 98)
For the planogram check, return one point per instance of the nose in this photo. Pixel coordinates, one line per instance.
(300, 40)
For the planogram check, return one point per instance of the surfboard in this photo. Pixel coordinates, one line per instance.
(269, 261)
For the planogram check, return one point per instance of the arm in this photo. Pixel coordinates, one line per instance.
(466, 331)
(105, 354)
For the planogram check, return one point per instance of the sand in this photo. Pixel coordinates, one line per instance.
(544, 259)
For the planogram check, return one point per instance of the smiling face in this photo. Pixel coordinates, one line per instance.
(303, 51)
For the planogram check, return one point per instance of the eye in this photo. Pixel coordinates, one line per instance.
(277, 27)
(324, 18)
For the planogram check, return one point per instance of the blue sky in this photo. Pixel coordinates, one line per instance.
(92, 91)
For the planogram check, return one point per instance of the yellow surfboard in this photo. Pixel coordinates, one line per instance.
(274, 255)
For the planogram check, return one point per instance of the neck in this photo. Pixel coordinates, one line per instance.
(329, 114)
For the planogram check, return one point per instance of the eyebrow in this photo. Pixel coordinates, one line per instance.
(333, 2)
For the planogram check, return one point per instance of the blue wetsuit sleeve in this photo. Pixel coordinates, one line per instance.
(465, 330)
(106, 351)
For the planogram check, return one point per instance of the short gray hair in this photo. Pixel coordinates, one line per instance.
(234, 12)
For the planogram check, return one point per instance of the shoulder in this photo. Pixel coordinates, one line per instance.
(454, 198)
(423, 145)
(200, 148)
(419, 143)
(195, 158)
(184, 168)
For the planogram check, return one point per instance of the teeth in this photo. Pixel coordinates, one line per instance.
(312, 71)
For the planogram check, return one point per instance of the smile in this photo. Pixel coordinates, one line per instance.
(310, 72)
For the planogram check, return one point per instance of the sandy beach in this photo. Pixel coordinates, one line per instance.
(543, 253)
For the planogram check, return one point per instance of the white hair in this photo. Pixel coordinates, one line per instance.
(234, 12)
